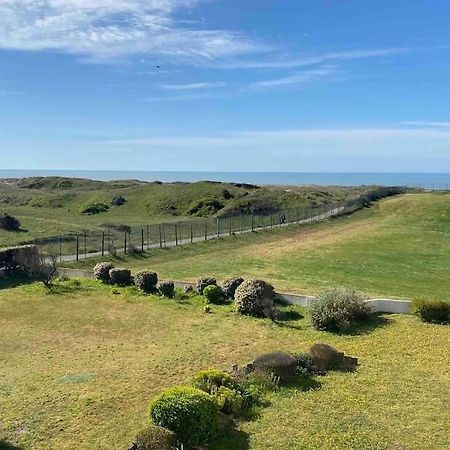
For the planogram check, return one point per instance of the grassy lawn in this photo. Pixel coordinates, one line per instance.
(400, 247)
(79, 366)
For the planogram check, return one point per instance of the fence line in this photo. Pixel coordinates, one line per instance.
(125, 239)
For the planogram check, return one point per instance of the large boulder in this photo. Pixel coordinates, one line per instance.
(328, 358)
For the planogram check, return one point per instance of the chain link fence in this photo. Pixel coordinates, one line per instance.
(134, 239)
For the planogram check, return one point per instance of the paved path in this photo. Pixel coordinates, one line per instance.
(317, 218)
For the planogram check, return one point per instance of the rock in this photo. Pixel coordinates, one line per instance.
(328, 358)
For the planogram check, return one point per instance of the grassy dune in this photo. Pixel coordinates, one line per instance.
(79, 366)
(400, 247)
(53, 206)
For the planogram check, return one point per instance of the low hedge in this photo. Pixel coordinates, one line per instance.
(432, 311)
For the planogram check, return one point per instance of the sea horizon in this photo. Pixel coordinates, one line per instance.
(429, 180)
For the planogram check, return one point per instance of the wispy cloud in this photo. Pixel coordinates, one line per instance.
(290, 61)
(104, 30)
(424, 123)
(194, 86)
(296, 78)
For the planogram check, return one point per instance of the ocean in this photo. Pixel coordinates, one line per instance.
(424, 180)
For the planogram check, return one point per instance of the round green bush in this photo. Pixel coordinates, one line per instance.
(213, 294)
(189, 412)
(101, 271)
(255, 298)
(229, 401)
(154, 438)
(229, 286)
(167, 289)
(146, 281)
(121, 277)
(338, 309)
(204, 282)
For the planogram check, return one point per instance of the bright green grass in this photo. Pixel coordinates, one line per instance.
(79, 366)
(400, 247)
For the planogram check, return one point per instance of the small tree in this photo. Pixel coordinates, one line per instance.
(45, 269)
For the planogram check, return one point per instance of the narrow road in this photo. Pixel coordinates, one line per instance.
(317, 218)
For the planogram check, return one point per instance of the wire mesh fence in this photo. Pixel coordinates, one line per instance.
(135, 239)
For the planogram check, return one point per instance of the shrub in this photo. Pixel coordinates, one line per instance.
(207, 309)
(167, 289)
(230, 285)
(95, 208)
(9, 223)
(326, 357)
(118, 201)
(204, 282)
(146, 281)
(101, 271)
(338, 309)
(189, 412)
(213, 294)
(211, 379)
(255, 298)
(229, 401)
(188, 289)
(282, 365)
(121, 277)
(306, 364)
(154, 438)
(432, 311)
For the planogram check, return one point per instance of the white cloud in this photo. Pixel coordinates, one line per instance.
(110, 29)
(290, 61)
(296, 78)
(424, 123)
(194, 86)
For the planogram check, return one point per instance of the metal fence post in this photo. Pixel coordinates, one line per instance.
(160, 237)
(192, 233)
(206, 230)
(230, 226)
(253, 222)
(103, 243)
(218, 227)
(142, 239)
(85, 245)
(176, 234)
(78, 247)
(125, 243)
(60, 248)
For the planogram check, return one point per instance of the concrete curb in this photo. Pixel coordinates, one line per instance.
(381, 305)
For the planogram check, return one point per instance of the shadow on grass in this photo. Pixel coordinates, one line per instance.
(4, 445)
(230, 437)
(289, 315)
(377, 321)
(303, 384)
(14, 280)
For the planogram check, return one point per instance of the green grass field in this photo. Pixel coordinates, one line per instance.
(400, 247)
(50, 207)
(79, 366)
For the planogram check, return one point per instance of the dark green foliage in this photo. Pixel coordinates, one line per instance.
(229, 401)
(95, 208)
(189, 412)
(205, 207)
(121, 277)
(9, 223)
(213, 294)
(203, 282)
(282, 365)
(118, 201)
(146, 281)
(338, 309)
(230, 285)
(167, 289)
(154, 438)
(432, 311)
(306, 364)
(255, 298)
(101, 271)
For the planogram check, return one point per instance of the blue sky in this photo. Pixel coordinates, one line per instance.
(250, 85)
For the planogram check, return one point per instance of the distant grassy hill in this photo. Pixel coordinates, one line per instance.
(49, 206)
